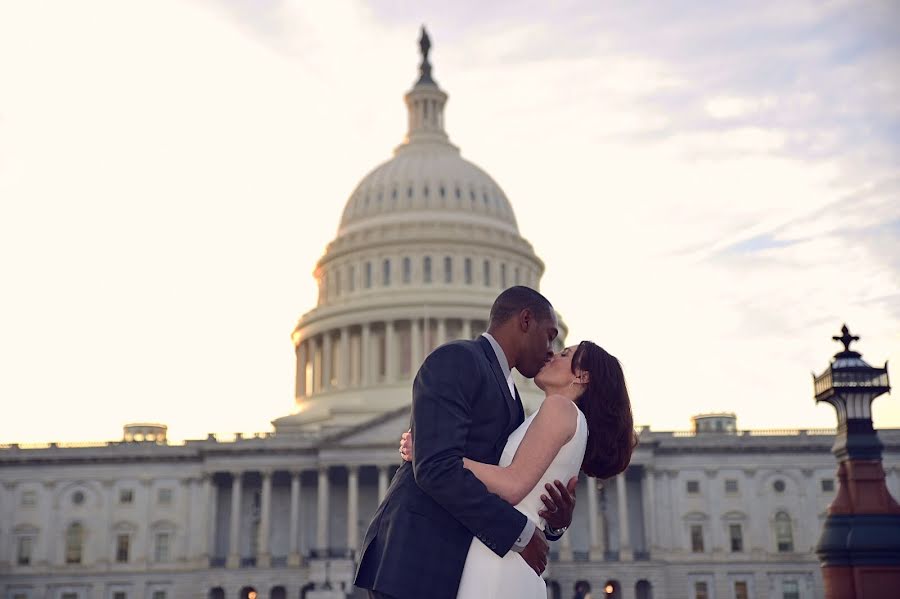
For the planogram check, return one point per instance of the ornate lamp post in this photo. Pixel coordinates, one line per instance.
(860, 545)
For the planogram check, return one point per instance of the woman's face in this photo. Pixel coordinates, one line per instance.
(557, 373)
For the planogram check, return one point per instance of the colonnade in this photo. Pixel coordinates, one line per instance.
(384, 351)
(600, 547)
(263, 557)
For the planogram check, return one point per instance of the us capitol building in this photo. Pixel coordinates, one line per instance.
(426, 242)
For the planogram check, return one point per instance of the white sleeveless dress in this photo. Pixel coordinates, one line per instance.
(488, 576)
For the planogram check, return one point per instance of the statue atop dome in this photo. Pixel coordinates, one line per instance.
(425, 67)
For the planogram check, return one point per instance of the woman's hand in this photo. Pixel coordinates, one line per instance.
(406, 446)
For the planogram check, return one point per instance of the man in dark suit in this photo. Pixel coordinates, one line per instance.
(464, 405)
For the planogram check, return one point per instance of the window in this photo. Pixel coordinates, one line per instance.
(78, 497)
(69, 596)
(407, 270)
(737, 537)
(29, 499)
(784, 536)
(164, 496)
(23, 550)
(696, 538)
(161, 547)
(351, 278)
(516, 276)
(337, 281)
(448, 269)
(426, 269)
(19, 596)
(368, 281)
(119, 595)
(159, 595)
(126, 496)
(468, 271)
(731, 486)
(693, 487)
(740, 590)
(701, 590)
(123, 541)
(778, 486)
(74, 542)
(828, 485)
(487, 273)
(386, 273)
(503, 276)
(790, 589)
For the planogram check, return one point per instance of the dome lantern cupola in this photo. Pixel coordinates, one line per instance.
(425, 104)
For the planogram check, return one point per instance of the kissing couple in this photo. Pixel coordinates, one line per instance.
(470, 510)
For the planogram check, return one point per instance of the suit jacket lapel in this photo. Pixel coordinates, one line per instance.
(512, 405)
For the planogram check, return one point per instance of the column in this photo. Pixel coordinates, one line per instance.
(302, 352)
(344, 363)
(466, 328)
(441, 331)
(650, 512)
(187, 500)
(365, 356)
(415, 336)
(264, 557)
(326, 360)
(108, 491)
(315, 357)
(322, 507)
(210, 499)
(353, 509)
(234, 527)
(382, 483)
(294, 540)
(624, 536)
(565, 547)
(390, 347)
(596, 554)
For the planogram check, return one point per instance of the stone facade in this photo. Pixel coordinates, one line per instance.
(269, 513)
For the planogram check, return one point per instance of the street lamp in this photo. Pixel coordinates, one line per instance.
(860, 544)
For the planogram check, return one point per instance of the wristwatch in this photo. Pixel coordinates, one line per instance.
(556, 532)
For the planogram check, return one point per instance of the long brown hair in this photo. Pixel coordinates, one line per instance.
(607, 409)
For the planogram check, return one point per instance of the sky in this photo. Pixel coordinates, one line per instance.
(714, 189)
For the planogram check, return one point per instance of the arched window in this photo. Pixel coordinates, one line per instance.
(407, 270)
(643, 590)
(74, 543)
(426, 270)
(503, 276)
(351, 278)
(368, 275)
(217, 593)
(468, 273)
(784, 536)
(487, 273)
(386, 273)
(448, 269)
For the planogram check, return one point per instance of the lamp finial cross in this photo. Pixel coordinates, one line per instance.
(846, 338)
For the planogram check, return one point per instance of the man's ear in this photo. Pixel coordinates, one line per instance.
(526, 320)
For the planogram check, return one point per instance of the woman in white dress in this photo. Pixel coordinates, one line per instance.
(584, 424)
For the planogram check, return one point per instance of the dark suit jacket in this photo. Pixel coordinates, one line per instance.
(418, 540)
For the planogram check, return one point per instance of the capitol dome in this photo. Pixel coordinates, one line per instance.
(426, 241)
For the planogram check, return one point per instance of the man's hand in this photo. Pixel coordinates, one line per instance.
(406, 446)
(560, 505)
(535, 552)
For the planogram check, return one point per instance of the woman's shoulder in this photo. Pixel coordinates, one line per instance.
(561, 412)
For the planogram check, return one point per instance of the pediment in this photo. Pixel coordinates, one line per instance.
(384, 429)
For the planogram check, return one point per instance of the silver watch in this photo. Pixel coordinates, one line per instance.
(556, 532)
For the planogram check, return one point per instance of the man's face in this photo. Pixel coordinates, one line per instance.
(537, 347)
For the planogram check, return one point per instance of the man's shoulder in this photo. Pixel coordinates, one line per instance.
(456, 352)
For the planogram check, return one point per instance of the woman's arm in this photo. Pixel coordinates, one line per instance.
(552, 428)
